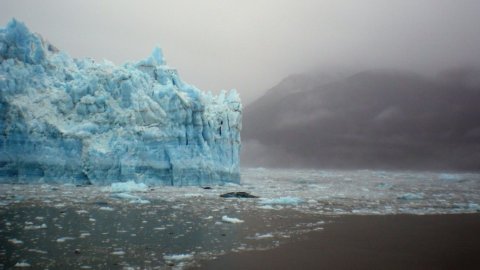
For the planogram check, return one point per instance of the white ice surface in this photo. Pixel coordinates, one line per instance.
(231, 219)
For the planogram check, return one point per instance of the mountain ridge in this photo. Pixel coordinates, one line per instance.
(385, 119)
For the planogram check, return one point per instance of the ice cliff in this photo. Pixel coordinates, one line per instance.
(79, 121)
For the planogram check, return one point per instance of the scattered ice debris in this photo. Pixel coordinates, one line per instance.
(22, 264)
(92, 220)
(35, 227)
(15, 241)
(178, 257)
(281, 200)
(159, 228)
(231, 220)
(64, 239)
(129, 186)
(209, 217)
(240, 194)
(410, 196)
(106, 208)
(81, 212)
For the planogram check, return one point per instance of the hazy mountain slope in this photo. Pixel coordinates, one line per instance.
(374, 119)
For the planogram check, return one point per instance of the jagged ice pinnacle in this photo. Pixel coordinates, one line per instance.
(80, 121)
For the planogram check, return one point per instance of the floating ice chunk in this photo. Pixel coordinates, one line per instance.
(84, 235)
(64, 239)
(106, 208)
(139, 201)
(267, 207)
(38, 251)
(230, 184)
(449, 177)
(15, 241)
(281, 200)
(118, 253)
(22, 264)
(410, 196)
(124, 196)
(259, 236)
(81, 212)
(35, 227)
(474, 206)
(129, 186)
(178, 257)
(192, 195)
(231, 220)
(383, 185)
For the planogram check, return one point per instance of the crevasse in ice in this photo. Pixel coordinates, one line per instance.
(79, 121)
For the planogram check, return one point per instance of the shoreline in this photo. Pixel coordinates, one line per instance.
(447, 241)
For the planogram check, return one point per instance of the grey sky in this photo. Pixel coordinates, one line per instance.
(252, 44)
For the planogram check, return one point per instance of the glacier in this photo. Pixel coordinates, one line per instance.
(68, 120)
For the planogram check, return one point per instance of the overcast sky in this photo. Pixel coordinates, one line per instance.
(251, 45)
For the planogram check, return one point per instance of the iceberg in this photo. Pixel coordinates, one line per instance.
(67, 120)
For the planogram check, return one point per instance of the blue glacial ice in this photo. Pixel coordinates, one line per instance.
(79, 121)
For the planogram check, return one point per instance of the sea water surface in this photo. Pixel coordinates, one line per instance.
(133, 226)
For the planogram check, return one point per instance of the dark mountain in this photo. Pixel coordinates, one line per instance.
(374, 119)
